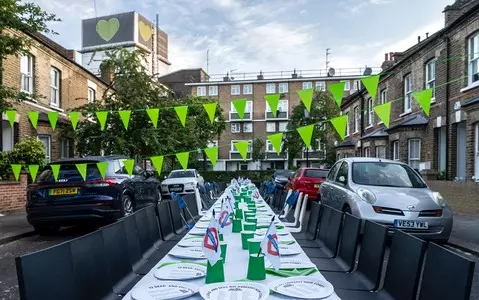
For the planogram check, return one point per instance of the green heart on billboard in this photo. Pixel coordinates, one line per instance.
(107, 29)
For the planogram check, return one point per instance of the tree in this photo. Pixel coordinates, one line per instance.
(258, 152)
(24, 18)
(131, 88)
(323, 108)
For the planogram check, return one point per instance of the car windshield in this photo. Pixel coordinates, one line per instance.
(181, 174)
(69, 173)
(284, 173)
(386, 174)
(316, 173)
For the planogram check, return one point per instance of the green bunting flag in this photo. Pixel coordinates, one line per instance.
(102, 167)
(210, 110)
(306, 97)
(337, 90)
(53, 118)
(33, 170)
(153, 113)
(125, 117)
(181, 112)
(212, 154)
(240, 106)
(276, 140)
(33, 117)
(306, 132)
(371, 84)
(157, 162)
(242, 148)
(424, 100)
(273, 101)
(384, 112)
(11, 115)
(82, 170)
(55, 171)
(102, 116)
(183, 158)
(16, 171)
(74, 117)
(129, 165)
(339, 124)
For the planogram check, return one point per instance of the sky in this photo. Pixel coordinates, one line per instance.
(268, 35)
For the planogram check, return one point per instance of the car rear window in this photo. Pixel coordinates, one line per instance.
(316, 173)
(69, 173)
(386, 174)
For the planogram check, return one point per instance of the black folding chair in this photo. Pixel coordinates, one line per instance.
(348, 247)
(309, 233)
(166, 224)
(146, 239)
(46, 274)
(402, 273)
(177, 219)
(139, 263)
(371, 258)
(446, 275)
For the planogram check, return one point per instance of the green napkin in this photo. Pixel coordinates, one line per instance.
(179, 262)
(291, 272)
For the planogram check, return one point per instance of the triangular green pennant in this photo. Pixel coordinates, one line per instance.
(306, 132)
(153, 113)
(240, 106)
(74, 117)
(129, 165)
(337, 90)
(339, 124)
(273, 101)
(82, 170)
(242, 148)
(181, 112)
(210, 110)
(212, 153)
(16, 171)
(306, 97)
(157, 162)
(384, 112)
(276, 140)
(371, 84)
(55, 171)
(102, 116)
(183, 158)
(125, 117)
(102, 167)
(11, 115)
(33, 169)
(33, 116)
(53, 118)
(424, 100)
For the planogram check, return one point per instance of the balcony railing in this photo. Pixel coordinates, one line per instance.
(318, 154)
(275, 156)
(280, 115)
(235, 117)
(237, 156)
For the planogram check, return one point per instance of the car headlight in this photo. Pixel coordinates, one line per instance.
(439, 199)
(190, 183)
(366, 195)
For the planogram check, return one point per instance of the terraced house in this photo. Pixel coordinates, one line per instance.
(445, 143)
(56, 82)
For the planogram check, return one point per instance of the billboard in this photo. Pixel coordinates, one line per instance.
(107, 30)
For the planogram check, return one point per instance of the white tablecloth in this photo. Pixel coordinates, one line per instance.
(236, 266)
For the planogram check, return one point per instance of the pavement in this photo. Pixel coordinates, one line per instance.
(14, 226)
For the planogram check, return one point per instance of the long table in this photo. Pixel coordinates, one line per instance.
(236, 264)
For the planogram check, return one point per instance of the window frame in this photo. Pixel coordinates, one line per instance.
(269, 144)
(269, 124)
(233, 149)
(407, 85)
(215, 90)
(201, 88)
(248, 91)
(396, 150)
(246, 124)
(376, 150)
(236, 125)
(285, 126)
(473, 59)
(320, 85)
(413, 159)
(270, 88)
(48, 156)
(235, 89)
(357, 84)
(356, 119)
(55, 86)
(367, 152)
(431, 83)
(383, 96)
(30, 61)
(281, 89)
(370, 112)
(347, 124)
(307, 85)
(91, 96)
(347, 85)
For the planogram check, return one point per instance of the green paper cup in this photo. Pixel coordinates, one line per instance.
(252, 220)
(221, 237)
(250, 192)
(253, 210)
(223, 251)
(238, 198)
(215, 273)
(237, 225)
(249, 226)
(256, 269)
(245, 235)
(249, 214)
(239, 213)
(254, 245)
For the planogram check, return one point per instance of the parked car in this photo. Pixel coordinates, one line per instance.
(390, 193)
(281, 177)
(182, 182)
(71, 200)
(308, 181)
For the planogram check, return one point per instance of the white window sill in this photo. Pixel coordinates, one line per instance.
(380, 122)
(369, 126)
(356, 132)
(235, 94)
(347, 135)
(213, 95)
(405, 113)
(30, 99)
(470, 86)
(53, 106)
(433, 100)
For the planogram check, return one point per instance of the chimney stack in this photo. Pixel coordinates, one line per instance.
(227, 77)
(391, 56)
(418, 39)
(71, 54)
(386, 57)
(260, 76)
(427, 35)
(294, 75)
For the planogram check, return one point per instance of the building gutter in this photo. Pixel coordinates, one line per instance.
(448, 44)
(361, 111)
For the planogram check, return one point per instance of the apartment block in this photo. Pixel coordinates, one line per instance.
(56, 83)
(445, 143)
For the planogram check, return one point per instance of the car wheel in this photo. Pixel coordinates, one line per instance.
(127, 205)
(46, 229)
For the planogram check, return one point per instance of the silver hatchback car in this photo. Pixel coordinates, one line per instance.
(389, 193)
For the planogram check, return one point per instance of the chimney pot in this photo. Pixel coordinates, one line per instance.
(386, 57)
(427, 35)
(391, 56)
(418, 39)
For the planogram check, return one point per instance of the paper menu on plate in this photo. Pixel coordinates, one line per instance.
(237, 290)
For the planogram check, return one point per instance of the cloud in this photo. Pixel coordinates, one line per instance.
(355, 6)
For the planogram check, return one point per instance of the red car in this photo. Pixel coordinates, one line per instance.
(308, 180)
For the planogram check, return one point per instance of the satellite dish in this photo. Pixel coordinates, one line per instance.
(232, 78)
(368, 71)
(331, 72)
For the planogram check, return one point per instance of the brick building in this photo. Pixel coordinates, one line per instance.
(258, 120)
(176, 80)
(57, 83)
(447, 141)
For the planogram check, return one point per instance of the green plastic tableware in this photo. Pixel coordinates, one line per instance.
(237, 225)
(253, 245)
(245, 235)
(249, 226)
(252, 220)
(279, 227)
(215, 273)
(256, 269)
(221, 237)
(224, 247)
(239, 213)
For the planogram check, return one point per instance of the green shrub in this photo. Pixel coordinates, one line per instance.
(29, 151)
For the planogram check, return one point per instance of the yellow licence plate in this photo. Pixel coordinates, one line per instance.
(316, 186)
(64, 191)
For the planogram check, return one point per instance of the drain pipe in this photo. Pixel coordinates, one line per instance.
(448, 45)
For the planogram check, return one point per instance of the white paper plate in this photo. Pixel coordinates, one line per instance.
(204, 220)
(291, 263)
(159, 290)
(180, 271)
(196, 242)
(278, 232)
(197, 231)
(302, 287)
(286, 250)
(188, 253)
(234, 290)
(202, 225)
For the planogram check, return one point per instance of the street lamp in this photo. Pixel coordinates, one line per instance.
(306, 119)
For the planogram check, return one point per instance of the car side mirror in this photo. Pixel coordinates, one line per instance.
(342, 179)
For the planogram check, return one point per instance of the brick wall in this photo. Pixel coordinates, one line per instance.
(13, 194)
(462, 197)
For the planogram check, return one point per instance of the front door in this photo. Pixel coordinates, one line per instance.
(476, 152)
(461, 150)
